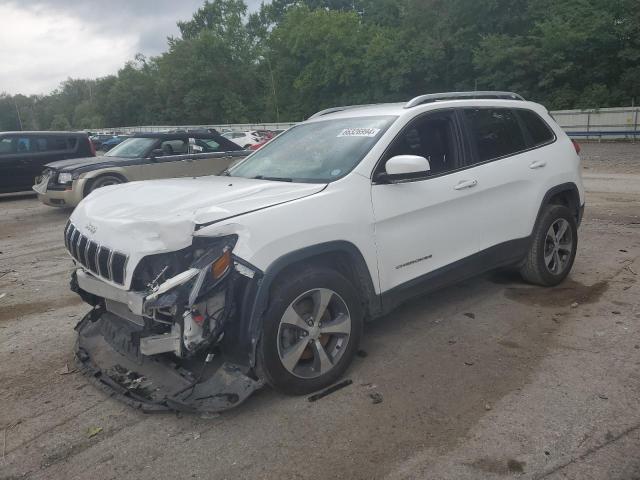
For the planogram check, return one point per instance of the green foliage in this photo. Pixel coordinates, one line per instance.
(60, 122)
(293, 57)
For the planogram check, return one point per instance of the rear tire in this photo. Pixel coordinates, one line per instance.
(553, 248)
(311, 331)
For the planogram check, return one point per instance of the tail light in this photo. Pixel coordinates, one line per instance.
(92, 147)
(576, 145)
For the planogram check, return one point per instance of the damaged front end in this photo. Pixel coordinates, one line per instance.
(170, 341)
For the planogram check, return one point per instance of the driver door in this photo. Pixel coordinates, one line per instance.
(426, 224)
(170, 165)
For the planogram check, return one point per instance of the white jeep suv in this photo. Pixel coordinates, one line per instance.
(206, 288)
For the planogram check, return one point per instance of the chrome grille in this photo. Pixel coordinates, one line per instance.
(101, 260)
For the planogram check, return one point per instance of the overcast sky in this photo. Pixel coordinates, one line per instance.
(43, 42)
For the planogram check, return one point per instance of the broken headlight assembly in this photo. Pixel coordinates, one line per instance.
(188, 296)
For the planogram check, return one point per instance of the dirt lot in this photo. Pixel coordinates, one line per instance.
(488, 379)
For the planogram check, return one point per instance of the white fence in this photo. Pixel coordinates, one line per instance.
(613, 123)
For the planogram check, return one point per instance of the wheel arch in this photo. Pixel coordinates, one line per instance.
(566, 194)
(93, 176)
(344, 256)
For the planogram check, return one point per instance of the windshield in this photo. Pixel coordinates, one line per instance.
(132, 148)
(317, 152)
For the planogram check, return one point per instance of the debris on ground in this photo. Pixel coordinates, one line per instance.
(65, 370)
(361, 353)
(2, 295)
(615, 312)
(468, 364)
(330, 390)
(622, 250)
(470, 315)
(574, 305)
(196, 436)
(603, 397)
(376, 397)
(369, 386)
(93, 431)
(487, 406)
(452, 341)
(628, 267)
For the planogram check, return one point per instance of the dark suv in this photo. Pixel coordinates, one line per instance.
(24, 154)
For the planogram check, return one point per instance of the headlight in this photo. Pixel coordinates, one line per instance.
(65, 178)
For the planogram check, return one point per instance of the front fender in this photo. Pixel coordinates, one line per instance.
(242, 335)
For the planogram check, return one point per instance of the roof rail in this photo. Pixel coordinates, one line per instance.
(336, 109)
(435, 97)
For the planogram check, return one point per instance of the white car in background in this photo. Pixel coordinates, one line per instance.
(244, 139)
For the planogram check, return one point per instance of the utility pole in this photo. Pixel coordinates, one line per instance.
(273, 86)
(18, 112)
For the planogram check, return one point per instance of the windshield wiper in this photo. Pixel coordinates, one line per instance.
(274, 179)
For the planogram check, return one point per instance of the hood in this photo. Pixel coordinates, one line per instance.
(161, 215)
(89, 163)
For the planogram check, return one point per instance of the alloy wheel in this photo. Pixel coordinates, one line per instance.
(313, 333)
(558, 246)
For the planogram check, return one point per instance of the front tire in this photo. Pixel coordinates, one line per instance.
(553, 249)
(311, 331)
(104, 181)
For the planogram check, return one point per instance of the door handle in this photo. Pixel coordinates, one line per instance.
(537, 164)
(466, 184)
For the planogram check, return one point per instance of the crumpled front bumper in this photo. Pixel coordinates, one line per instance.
(107, 352)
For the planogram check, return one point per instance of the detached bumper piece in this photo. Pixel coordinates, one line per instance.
(107, 352)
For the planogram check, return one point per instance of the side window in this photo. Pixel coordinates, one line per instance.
(42, 144)
(208, 145)
(72, 143)
(6, 145)
(56, 144)
(174, 147)
(539, 131)
(432, 136)
(495, 132)
(25, 145)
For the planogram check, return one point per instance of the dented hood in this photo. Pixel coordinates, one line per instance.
(161, 215)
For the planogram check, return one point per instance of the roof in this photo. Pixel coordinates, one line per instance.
(398, 109)
(425, 102)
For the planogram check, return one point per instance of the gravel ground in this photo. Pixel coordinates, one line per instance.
(488, 379)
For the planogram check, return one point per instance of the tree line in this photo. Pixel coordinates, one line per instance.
(294, 57)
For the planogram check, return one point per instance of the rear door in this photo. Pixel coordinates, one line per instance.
(503, 166)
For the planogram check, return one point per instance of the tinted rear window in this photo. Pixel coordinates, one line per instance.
(495, 132)
(538, 130)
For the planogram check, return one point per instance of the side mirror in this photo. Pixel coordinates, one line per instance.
(404, 167)
(156, 152)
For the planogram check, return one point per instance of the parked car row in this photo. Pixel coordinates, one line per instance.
(65, 168)
(253, 139)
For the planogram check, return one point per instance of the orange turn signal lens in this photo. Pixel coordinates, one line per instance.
(221, 265)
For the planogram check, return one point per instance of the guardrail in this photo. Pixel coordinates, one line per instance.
(626, 134)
